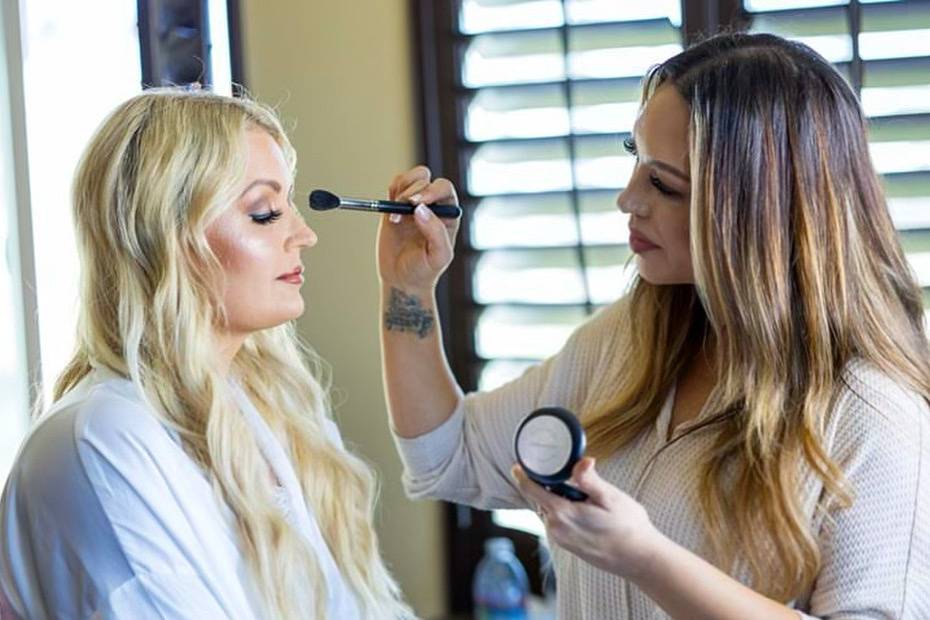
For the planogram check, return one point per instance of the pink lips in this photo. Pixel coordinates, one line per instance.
(640, 244)
(293, 277)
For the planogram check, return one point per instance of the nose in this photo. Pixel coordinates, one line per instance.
(302, 236)
(630, 202)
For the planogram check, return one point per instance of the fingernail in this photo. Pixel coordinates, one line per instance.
(416, 199)
(394, 218)
(422, 213)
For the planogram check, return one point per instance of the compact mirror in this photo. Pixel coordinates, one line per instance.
(548, 443)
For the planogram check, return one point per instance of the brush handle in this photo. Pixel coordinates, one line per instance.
(405, 208)
(389, 206)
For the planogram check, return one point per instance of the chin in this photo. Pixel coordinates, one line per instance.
(283, 314)
(664, 277)
(291, 314)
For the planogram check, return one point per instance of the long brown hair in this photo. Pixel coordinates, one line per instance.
(798, 271)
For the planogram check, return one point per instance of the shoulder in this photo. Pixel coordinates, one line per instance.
(99, 451)
(115, 413)
(602, 328)
(876, 413)
(870, 394)
(608, 318)
(101, 423)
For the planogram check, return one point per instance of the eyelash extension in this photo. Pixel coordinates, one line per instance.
(266, 218)
(629, 145)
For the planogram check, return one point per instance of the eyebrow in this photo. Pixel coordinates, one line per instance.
(269, 182)
(670, 169)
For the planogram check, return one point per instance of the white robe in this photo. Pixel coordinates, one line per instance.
(105, 516)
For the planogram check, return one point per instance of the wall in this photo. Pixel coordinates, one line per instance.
(341, 75)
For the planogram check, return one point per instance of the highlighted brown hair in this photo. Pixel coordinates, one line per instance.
(798, 271)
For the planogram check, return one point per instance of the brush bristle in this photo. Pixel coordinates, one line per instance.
(321, 200)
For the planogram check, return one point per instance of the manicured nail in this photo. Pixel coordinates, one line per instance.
(416, 199)
(394, 218)
(422, 213)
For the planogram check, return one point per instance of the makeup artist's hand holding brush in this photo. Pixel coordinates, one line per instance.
(413, 251)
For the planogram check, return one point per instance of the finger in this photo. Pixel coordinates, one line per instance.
(395, 218)
(405, 179)
(438, 244)
(402, 180)
(548, 503)
(440, 191)
(452, 227)
(586, 478)
(413, 192)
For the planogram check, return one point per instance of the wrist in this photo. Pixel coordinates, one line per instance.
(424, 292)
(650, 554)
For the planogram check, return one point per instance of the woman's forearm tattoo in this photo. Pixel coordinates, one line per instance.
(405, 313)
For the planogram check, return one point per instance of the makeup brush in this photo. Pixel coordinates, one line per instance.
(322, 200)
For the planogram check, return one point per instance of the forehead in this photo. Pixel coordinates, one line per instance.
(264, 154)
(661, 129)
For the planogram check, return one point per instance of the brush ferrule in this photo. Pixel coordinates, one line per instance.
(361, 205)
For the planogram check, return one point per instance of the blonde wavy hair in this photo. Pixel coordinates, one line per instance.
(798, 271)
(158, 171)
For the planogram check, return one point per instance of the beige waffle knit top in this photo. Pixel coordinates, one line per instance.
(876, 554)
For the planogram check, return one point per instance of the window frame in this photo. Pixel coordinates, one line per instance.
(159, 53)
(22, 214)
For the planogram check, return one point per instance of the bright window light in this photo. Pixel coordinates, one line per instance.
(220, 67)
(14, 379)
(73, 77)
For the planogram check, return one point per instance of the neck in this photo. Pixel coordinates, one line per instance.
(706, 362)
(227, 346)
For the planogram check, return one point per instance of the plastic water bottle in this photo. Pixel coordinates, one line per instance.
(500, 588)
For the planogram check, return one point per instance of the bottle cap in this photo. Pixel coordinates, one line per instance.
(498, 543)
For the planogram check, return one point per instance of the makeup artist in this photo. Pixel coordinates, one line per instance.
(189, 468)
(757, 401)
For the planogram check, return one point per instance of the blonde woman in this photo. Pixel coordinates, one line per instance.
(757, 402)
(188, 467)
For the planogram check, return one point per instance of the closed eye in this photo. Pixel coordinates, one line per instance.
(662, 187)
(266, 217)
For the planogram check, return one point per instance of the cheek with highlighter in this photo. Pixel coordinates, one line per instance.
(254, 297)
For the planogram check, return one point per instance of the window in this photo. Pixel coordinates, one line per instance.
(64, 103)
(525, 104)
(63, 78)
(16, 301)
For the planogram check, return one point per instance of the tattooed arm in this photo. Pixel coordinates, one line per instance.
(413, 251)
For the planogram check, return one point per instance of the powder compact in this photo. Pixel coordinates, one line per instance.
(548, 443)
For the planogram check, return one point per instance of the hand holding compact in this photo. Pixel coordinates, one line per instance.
(590, 517)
